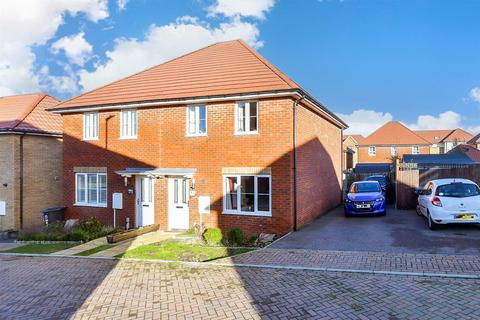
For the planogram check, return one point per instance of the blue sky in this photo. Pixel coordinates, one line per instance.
(369, 61)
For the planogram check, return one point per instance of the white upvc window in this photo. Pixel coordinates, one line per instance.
(91, 189)
(128, 124)
(394, 151)
(90, 126)
(372, 151)
(247, 195)
(246, 117)
(415, 150)
(197, 121)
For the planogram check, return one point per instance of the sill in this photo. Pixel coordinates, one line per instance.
(92, 139)
(243, 213)
(90, 205)
(249, 133)
(128, 138)
(196, 135)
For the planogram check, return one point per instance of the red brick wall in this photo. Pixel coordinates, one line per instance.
(384, 154)
(319, 165)
(162, 143)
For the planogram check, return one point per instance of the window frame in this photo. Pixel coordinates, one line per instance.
(197, 132)
(86, 203)
(96, 123)
(239, 211)
(415, 149)
(374, 153)
(394, 151)
(123, 113)
(247, 123)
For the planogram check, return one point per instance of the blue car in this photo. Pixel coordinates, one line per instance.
(365, 197)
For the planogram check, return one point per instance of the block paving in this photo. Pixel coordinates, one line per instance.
(79, 288)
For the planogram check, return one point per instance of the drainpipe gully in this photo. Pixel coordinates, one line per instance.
(295, 215)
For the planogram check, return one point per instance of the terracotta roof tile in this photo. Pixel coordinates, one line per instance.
(224, 68)
(475, 139)
(357, 137)
(394, 133)
(472, 152)
(458, 135)
(28, 113)
(433, 136)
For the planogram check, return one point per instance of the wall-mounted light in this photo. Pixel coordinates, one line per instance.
(5, 185)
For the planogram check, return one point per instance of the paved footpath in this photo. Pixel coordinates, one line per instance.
(468, 265)
(79, 288)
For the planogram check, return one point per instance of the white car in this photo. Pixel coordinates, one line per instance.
(446, 201)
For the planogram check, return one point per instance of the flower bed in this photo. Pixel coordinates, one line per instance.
(120, 236)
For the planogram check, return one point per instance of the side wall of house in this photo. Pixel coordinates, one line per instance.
(319, 165)
(43, 183)
(9, 187)
(384, 153)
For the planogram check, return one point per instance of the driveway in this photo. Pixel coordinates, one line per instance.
(79, 288)
(401, 231)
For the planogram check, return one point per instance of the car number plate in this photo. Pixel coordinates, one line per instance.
(464, 216)
(363, 206)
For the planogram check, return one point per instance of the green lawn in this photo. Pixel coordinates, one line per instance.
(41, 248)
(180, 251)
(94, 250)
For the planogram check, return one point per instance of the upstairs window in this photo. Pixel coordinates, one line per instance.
(128, 124)
(90, 126)
(415, 150)
(197, 121)
(91, 189)
(246, 118)
(372, 151)
(394, 151)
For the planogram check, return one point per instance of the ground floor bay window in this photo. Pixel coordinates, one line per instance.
(91, 189)
(247, 194)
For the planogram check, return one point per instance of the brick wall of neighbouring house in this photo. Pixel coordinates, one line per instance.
(9, 173)
(319, 165)
(384, 154)
(43, 183)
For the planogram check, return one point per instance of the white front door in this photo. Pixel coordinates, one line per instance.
(145, 203)
(178, 204)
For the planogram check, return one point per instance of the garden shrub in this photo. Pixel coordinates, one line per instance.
(91, 225)
(78, 234)
(235, 236)
(213, 236)
(253, 240)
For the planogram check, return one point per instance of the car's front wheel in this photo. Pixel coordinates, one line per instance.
(431, 224)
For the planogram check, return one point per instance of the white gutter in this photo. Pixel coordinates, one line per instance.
(295, 93)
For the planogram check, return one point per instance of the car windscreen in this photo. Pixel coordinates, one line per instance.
(458, 190)
(364, 187)
(380, 180)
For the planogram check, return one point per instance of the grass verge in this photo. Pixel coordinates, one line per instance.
(41, 248)
(94, 250)
(181, 251)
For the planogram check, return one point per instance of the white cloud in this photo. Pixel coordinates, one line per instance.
(61, 84)
(162, 43)
(364, 122)
(76, 48)
(245, 8)
(445, 120)
(475, 94)
(122, 4)
(24, 23)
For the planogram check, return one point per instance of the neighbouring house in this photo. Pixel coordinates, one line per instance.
(394, 139)
(31, 167)
(350, 149)
(218, 136)
(475, 141)
(442, 141)
(463, 154)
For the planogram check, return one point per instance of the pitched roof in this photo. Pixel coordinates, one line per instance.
(27, 113)
(458, 135)
(475, 139)
(394, 133)
(223, 68)
(433, 136)
(472, 152)
(357, 137)
(444, 158)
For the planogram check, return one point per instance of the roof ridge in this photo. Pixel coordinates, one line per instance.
(413, 132)
(143, 70)
(22, 94)
(30, 109)
(274, 69)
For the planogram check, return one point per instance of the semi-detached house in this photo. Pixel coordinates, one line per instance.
(218, 136)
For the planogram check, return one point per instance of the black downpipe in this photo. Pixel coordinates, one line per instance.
(21, 180)
(295, 103)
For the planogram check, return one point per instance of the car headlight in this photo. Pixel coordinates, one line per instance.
(348, 200)
(380, 200)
